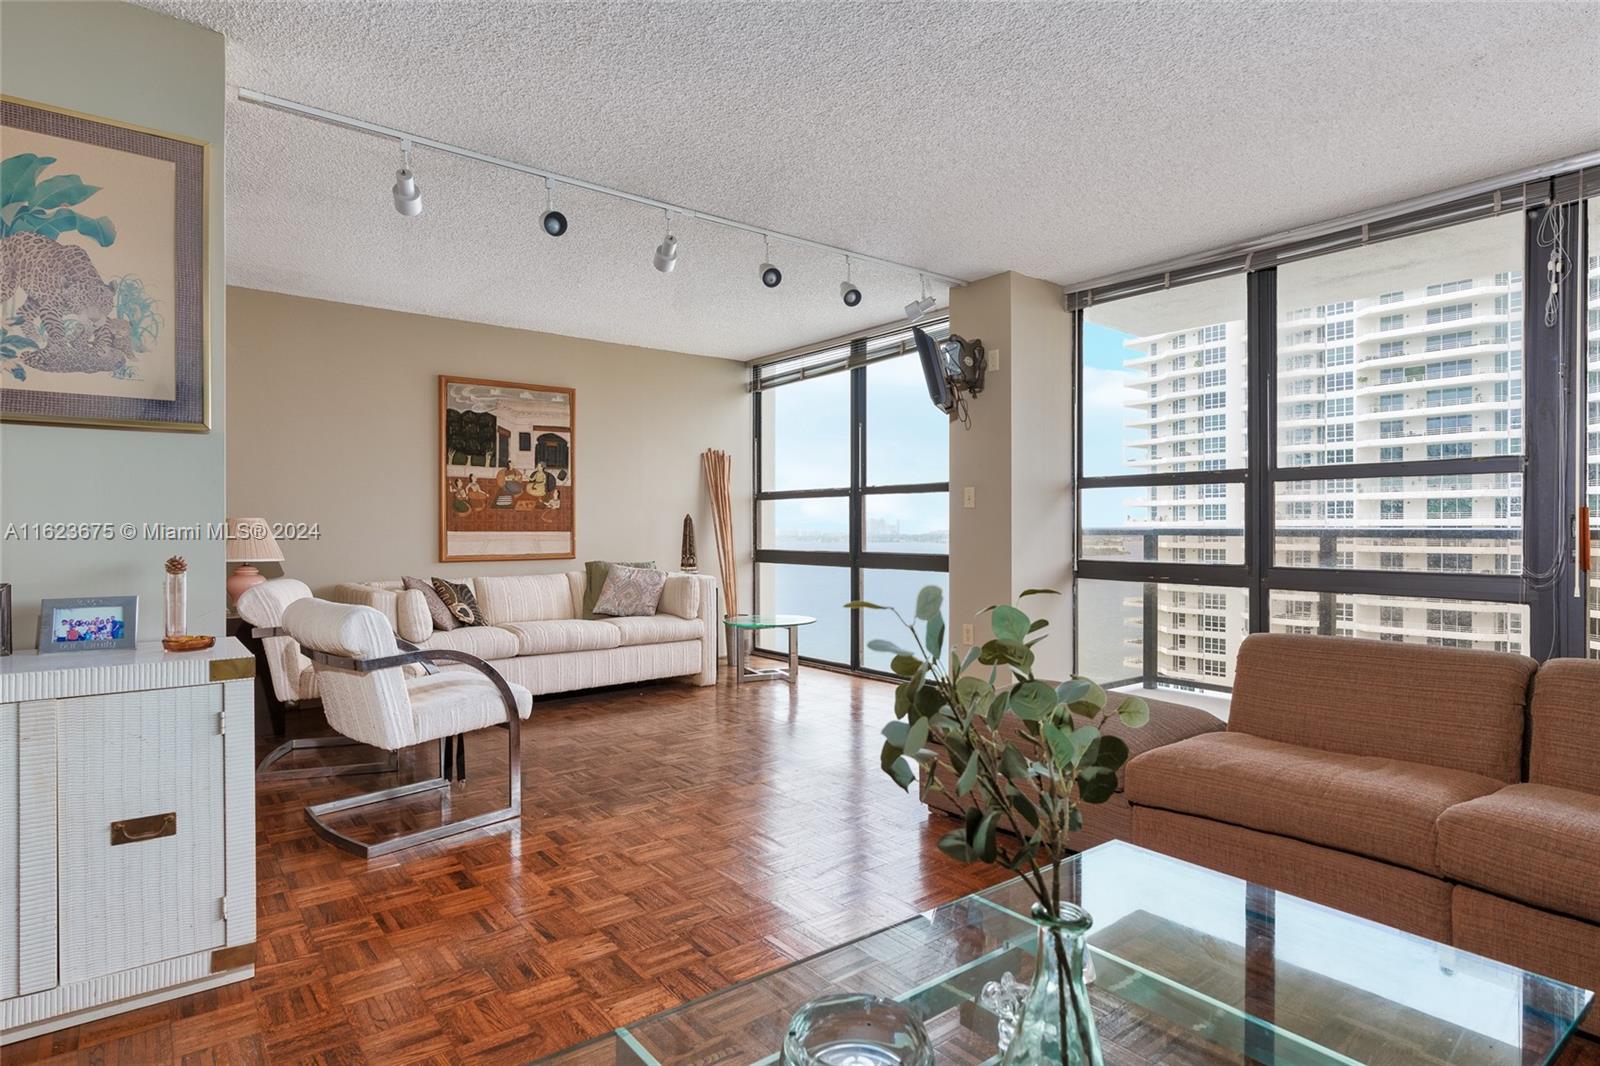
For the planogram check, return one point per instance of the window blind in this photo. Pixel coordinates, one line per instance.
(837, 357)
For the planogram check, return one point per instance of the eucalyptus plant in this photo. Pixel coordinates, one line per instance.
(1024, 753)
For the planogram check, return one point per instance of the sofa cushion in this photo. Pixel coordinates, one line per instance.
(1566, 725)
(412, 619)
(630, 592)
(656, 629)
(1534, 843)
(523, 598)
(1381, 808)
(1448, 707)
(486, 642)
(562, 634)
(594, 579)
(437, 611)
(680, 596)
(459, 600)
(455, 701)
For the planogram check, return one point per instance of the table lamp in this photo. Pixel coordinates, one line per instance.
(249, 541)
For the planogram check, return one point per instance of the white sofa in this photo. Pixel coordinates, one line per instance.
(536, 636)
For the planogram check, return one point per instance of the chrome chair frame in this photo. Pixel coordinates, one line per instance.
(264, 768)
(513, 724)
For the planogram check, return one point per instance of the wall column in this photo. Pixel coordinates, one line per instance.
(1017, 457)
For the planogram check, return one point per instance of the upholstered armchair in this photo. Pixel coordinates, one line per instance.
(360, 671)
(292, 682)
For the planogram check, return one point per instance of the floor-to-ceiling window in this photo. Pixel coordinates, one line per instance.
(1339, 443)
(852, 492)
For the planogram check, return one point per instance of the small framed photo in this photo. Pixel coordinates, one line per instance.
(88, 624)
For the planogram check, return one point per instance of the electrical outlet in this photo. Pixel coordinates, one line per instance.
(966, 632)
(992, 358)
(969, 497)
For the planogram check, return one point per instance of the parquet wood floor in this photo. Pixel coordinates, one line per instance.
(673, 840)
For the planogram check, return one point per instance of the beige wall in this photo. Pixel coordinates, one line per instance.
(334, 413)
(122, 62)
(1017, 455)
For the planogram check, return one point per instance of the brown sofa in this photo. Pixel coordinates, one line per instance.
(1112, 820)
(1451, 793)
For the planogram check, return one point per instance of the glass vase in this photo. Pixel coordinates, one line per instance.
(177, 605)
(1055, 1023)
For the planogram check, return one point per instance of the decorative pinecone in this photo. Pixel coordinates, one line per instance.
(177, 565)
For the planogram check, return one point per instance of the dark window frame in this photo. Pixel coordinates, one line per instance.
(1557, 622)
(857, 559)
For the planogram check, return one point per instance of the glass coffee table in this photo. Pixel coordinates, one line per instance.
(741, 626)
(1191, 967)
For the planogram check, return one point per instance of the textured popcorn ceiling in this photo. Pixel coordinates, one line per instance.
(1065, 141)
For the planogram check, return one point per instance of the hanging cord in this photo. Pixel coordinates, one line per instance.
(1550, 234)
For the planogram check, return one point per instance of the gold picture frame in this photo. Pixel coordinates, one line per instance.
(506, 471)
(143, 359)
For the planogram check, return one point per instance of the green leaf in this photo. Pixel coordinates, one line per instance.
(1093, 694)
(1008, 623)
(970, 658)
(1012, 764)
(968, 778)
(934, 638)
(1063, 751)
(889, 646)
(1033, 700)
(63, 190)
(904, 665)
(1096, 784)
(1110, 753)
(929, 600)
(929, 701)
(916, 735)
(895, 734)
(1024, 806)
(1005, 651)
(984, 845)
(954, 844)
(903, 695)
(971, 688)
(1073, 691)
(1134, 712)
(1038, 624)
(864, 605)
(1084, 736)
(18, 174)
(903, 774)
(1038, 592)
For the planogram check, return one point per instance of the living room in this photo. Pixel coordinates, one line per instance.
(747, 533)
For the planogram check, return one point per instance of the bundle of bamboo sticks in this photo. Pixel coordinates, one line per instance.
(719, 479)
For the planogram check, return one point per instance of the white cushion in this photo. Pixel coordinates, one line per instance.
(445, 704)
(412, 620)
(680, 596)
(288, 669)
(562, 634)
(486, 642)
(656, 629)
(523, 598)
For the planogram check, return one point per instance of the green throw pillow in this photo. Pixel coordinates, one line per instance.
(595, 574)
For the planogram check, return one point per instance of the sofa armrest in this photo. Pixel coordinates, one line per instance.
(711, 622)
(406, 609)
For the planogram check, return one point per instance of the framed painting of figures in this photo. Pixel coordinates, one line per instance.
(506, 476)
(102, 272)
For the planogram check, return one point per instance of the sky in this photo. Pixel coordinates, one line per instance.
(809, 425)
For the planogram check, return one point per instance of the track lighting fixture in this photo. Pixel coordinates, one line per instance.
(847, 290)
(667, 250)
(407, 193)
(771, 276)
(553, 221)
(917, 308)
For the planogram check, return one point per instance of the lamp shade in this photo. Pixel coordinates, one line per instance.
(250, 541)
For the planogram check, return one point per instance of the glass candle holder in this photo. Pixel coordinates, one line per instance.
(177, 605)
(856, 1030)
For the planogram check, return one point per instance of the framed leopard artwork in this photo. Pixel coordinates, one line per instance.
(102, 272)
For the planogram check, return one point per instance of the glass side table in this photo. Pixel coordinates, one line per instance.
(742, 627)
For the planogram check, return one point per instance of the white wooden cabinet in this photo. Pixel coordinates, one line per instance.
(127, 830)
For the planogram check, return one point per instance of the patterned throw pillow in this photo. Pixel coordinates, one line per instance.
(459, 601)
(442, 618)
(630, 592)
(595, 574)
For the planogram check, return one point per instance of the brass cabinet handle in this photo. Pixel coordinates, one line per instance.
(151, 827)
